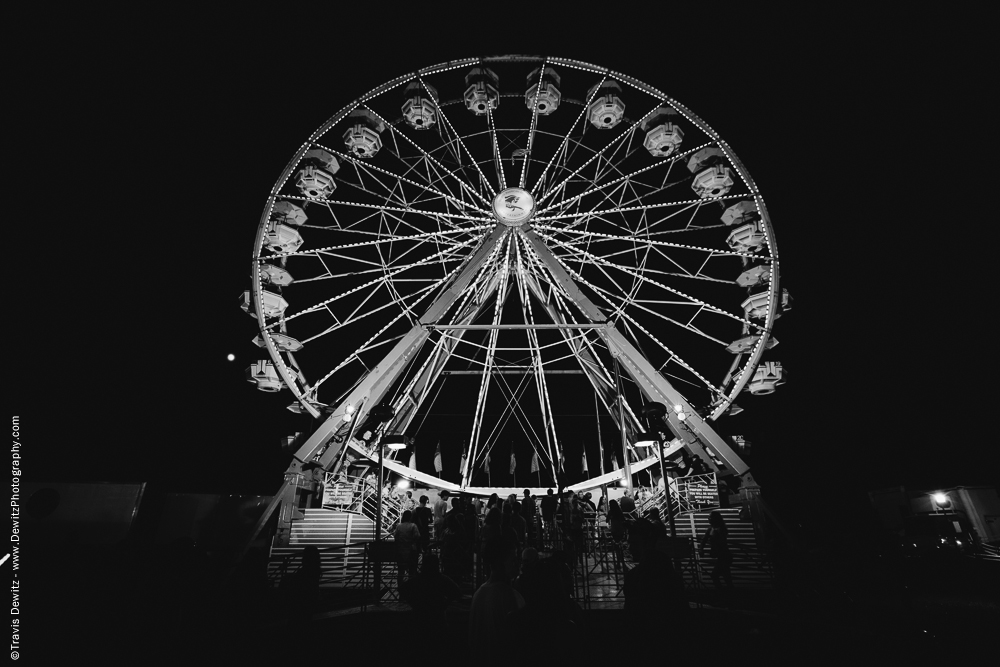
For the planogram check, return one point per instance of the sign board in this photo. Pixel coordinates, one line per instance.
(701, 495)
(337, 494)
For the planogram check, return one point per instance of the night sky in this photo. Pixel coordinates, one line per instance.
(155, 150)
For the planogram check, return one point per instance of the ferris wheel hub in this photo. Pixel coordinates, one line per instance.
(513, 207)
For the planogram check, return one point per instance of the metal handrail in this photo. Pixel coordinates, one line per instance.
(682, 497)
(363, 499)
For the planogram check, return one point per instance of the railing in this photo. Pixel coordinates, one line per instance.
(343, 575)
(348, 493)
(988, 551)
(689, 494)
(598, 563)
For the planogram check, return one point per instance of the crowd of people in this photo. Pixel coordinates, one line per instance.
(528, 547)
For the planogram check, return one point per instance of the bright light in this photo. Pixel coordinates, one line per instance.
(678, 409)
(349, 409)
(347, 417)
(231, 357)
(622, 482)
(940, 498)
(402, 484)
(394, 441)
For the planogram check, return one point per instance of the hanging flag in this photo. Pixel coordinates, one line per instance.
(513, 463)
(438, 466)
(585, 469)
(534, 462)
(461, 465)
(562, 462)
(413, 460)
(614, 460)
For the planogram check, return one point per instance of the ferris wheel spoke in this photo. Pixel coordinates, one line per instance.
(438, 236)
(378, 267)
(536, 357)
(372, 170)
(458, 137)
(684, 272)
(644, 241)
(638, 303)
(395, 272)
(367, 346)
(669, 162)
(624, 269)
(501, 291)
(534, 125)
(627, 134)
(566, 138)
(647, 207)
(501, 178)
(396, 133)
(379, 207)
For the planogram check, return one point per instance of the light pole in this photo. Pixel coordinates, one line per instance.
(394, 442)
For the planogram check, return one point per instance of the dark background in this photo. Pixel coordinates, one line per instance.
(153, 141)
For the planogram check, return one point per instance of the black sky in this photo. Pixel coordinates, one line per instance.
(155, 149)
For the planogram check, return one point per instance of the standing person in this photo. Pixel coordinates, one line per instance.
(717, 539)
(408, 502)
(627, 503)
(368, 492)
(453, 536)
(549, 503)
(440, 510)
(528, 512)
(516, 522)
(424, 517)
(602, 505)
(407, 538)
(618, 527)
(572, 521)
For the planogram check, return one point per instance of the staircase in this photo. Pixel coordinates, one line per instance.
(340, 538)
(750, 569)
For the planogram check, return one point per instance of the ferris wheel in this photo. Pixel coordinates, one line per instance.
(510, 223)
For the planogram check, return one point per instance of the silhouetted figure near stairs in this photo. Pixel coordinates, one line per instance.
(407, 538)
(423, 517)
(717, 540)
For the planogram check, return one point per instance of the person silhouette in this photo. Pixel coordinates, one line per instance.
(716, 538)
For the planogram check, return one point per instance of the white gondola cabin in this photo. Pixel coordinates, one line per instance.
(768, 376)
(274, 305)
(546, 100)
(265, 376)
(481, 94)
(607, 109)
(713, 182)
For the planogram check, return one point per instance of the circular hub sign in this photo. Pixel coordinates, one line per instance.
(513, 207)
